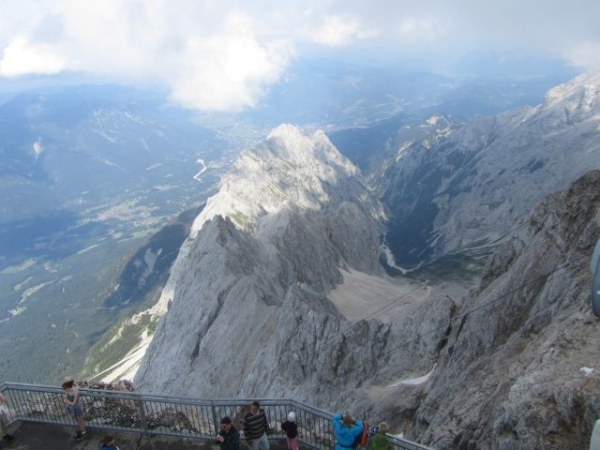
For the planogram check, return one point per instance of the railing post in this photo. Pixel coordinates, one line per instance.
(143, 420)
(215, 418)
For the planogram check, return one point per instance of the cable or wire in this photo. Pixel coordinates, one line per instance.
(464, 314)
(509, 233)
(512, 291)
(403, 296)
(391, 304)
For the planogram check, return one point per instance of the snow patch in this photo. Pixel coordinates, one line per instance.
(391, 261)
(37, 147)
(402, 150)
(414, 381)
(433, 120)
(153, 166)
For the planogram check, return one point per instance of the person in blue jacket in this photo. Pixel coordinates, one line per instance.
(346, 430)
(108, 443)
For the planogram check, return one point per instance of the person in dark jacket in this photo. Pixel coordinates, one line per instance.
(291, 431)
(256, 427)
(228, 437)
(346, 430)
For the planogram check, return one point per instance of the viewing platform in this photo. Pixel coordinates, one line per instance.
(38, 420)
(39, 436)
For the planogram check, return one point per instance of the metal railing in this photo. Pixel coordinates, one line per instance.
(122, 411)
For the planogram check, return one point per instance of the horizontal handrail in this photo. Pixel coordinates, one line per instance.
(124, 411)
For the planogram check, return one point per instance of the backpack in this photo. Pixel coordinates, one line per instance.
(372, 432)
(362, 438)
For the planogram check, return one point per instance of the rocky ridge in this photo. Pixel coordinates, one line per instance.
(452, 186)
(295, 218)
(499, 369)
(519, 369)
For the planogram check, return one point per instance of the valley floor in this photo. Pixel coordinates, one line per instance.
(363, 296)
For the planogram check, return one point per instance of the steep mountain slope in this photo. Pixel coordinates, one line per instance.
(290, 214)
(451, 186)
(86, 174)
(520, 367)
(68, 147)
(84, 178)
(247, 310)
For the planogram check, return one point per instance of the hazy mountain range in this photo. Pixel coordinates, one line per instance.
(263, 282)
(412, 269)
(88, 174)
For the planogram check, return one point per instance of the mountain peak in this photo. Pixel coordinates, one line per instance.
(290, 142)
(291, 169)
(286, 130)
(289, 216)
(581, 93)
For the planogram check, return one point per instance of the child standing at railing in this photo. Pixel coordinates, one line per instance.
(291, 431)
(74, 409)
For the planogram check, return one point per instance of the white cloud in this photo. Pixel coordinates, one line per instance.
(585, 54)
(419, 30)
(37, 147)
(21, 57)
(339, 30)
(225, 54)
(208, 55)
(231, 72)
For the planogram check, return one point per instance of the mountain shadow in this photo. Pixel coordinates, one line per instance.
(150, 265)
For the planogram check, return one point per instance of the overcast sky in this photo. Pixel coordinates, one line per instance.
(223, 55)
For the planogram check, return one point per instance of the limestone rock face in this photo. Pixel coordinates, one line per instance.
(452, 186)
(520, 368)
(255, 273)
(246, 309)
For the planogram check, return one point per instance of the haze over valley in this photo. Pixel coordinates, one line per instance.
(90, 173)
(387, 209)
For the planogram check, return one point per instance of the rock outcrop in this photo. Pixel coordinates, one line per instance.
(511, 365)
(252, 279)
(520, 367)
(452, 186)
